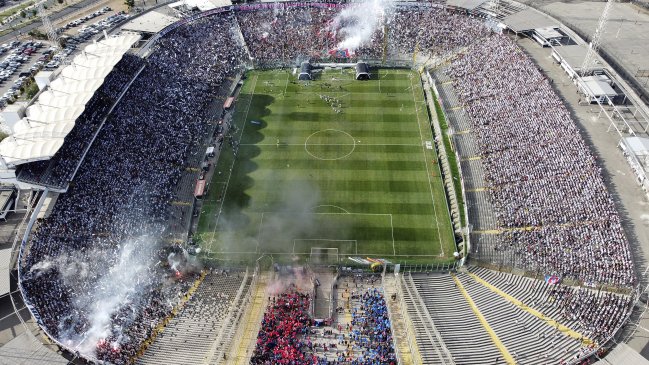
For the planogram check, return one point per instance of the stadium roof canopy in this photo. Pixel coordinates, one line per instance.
(527, 20)
(639, 146)
(202, 5)
(465, 4)
(151, 22)
(596, 86)
(49, 119)
(573, 55)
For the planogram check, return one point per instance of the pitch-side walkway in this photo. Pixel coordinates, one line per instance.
(403, 341)
(250, 323)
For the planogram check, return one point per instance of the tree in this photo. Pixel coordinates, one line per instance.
(23, 14)
(129, 3)
(31, 90)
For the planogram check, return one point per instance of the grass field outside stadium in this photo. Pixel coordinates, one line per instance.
(332, 165)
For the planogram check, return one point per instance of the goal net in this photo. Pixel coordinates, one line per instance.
(324, 256)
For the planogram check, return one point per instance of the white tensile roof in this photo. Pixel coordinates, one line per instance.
(21, 151)
(45, 114)
(50, 119)
(63, 100)
(44, 132)
(63, 84)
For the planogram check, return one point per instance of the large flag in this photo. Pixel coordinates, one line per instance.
(340, 53)
(552, 279)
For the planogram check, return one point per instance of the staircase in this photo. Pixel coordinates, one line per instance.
(433, 349)
(402, 332)
(246, 337)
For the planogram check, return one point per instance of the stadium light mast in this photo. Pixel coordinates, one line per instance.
(52, 35)
(593, 47)
(49, 28)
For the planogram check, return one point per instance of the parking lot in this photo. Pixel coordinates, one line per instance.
(22, 60)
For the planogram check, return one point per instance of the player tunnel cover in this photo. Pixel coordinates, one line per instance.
(362, 71)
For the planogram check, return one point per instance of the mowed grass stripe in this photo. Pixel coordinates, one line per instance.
(398, 113)
(386, 175)
(306, 127)
(314, 136)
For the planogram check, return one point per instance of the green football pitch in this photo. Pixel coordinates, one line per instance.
(333, 167)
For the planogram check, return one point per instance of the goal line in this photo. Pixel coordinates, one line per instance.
(311, 245)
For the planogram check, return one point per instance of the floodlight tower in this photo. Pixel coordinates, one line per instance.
(49, 28)
(589, 60)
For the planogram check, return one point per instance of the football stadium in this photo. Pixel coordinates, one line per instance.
(330, 182)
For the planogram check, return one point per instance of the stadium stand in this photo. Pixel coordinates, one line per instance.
(552, 210)
(362, 331)
(535, 322)
(285, 323)
(596, 314)
(432, 348)
(200, 322)
(123, 189)
(359, 332)
(517, 128)
(453, 318)
(57, 172)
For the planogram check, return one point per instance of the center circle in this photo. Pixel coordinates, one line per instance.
(329, 144)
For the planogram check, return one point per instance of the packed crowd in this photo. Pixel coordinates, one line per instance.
(432, 31)
(289, 335)
(286, 35)
(371, 330)
(281, 336)
(596, 314)
(289, 35)
(120, 199)
(58, 170)
(539, 171)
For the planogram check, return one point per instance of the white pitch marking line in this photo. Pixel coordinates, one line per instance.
(430, 183)
(286, 86)
(394, 250)
(308, 253)
(333, 213)
(332, 144)
(306, 143)
(331, 205)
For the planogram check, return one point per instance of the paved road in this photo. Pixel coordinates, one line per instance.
(58, 15)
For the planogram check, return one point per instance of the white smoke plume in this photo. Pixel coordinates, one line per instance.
(181, 262)
(106, 280)
(357, 23)
(120, 286)
(287, 277)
